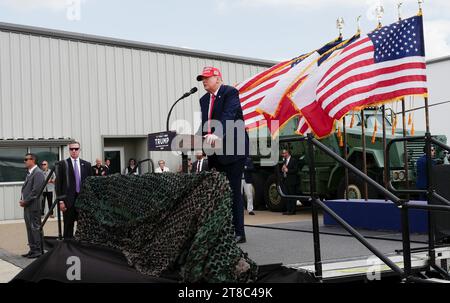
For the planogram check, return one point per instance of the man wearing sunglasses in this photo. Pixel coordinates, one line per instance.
(30, 201)
(47, 195)
(71, 174)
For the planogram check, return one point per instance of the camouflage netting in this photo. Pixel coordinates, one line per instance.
(166, 222)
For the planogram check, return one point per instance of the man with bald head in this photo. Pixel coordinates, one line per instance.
(98, 169)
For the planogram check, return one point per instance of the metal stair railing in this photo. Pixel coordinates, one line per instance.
(50, 211)
(406, 272)
(430, 194)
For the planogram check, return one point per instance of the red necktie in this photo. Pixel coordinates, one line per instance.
(211, 107)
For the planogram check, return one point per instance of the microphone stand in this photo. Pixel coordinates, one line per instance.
(147, 160)
(171, 109)
(184, 165)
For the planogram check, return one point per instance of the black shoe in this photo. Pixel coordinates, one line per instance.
(251, 213)
(289, 213)
(26, 255)
(240, 239)
(34, 255)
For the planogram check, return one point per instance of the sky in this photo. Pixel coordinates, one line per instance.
(264, 29)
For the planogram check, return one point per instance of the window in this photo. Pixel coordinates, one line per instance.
(12, 167)
(49, 154)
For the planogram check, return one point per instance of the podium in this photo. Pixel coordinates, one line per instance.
(171, 141)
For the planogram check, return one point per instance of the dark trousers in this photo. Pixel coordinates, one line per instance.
(49, 196)
(290, 189)
(234, 172)
(70, 216)
(33, 224)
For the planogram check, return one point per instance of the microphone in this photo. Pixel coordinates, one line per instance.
(192, 91)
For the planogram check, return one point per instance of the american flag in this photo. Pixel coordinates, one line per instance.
(383, 66)
(313, 118)
(264, 96)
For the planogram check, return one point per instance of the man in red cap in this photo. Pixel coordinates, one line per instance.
(222, 119)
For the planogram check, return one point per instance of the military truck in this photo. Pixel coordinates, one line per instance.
(330, 179)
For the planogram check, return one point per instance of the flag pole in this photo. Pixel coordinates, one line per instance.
(431, 220)
(385, 176)
(340, 25)
(405, 143)
(363, 141)
(379, 10)
(345, 157)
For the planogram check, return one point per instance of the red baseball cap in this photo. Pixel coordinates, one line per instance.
(209, 71)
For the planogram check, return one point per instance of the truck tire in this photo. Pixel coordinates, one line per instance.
(258, 186)
(271, 197)
(356, 189)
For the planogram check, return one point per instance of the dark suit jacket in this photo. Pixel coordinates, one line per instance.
(248, 169)
(291, 176)
(203, 167)
(227, 109)
(31, 188)
(65, 179)
(421, 166)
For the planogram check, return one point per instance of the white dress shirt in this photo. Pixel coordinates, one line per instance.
(199, 165)
(287, 161)
(210, 101)
(32, 169)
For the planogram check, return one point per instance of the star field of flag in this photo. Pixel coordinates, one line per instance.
(398, 40)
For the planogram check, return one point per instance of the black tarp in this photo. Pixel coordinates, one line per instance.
(104, 265)
(97, 265)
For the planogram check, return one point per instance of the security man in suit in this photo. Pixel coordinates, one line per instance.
(70, 175)
(222, 119)
(201, 164)
(31, 203)
(290, 180)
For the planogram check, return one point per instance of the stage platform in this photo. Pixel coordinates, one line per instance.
(343, 257)
(266, 246)
(376, 215)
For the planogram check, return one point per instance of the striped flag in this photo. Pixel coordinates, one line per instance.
(264, 98)
(253, 90)
(382, 66)
(313, 118)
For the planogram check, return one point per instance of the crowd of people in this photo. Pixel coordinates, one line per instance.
(73, 172)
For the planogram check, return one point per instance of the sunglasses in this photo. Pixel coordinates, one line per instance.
(74, 148)
(26, 159)
(43, 164)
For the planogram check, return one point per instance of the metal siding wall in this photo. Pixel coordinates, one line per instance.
(9, 206)
(52, 88)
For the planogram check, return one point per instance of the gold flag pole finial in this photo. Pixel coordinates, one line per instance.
(379, 12)
(340, 25)
(399, 6)
(420, 7)
(358, 22)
